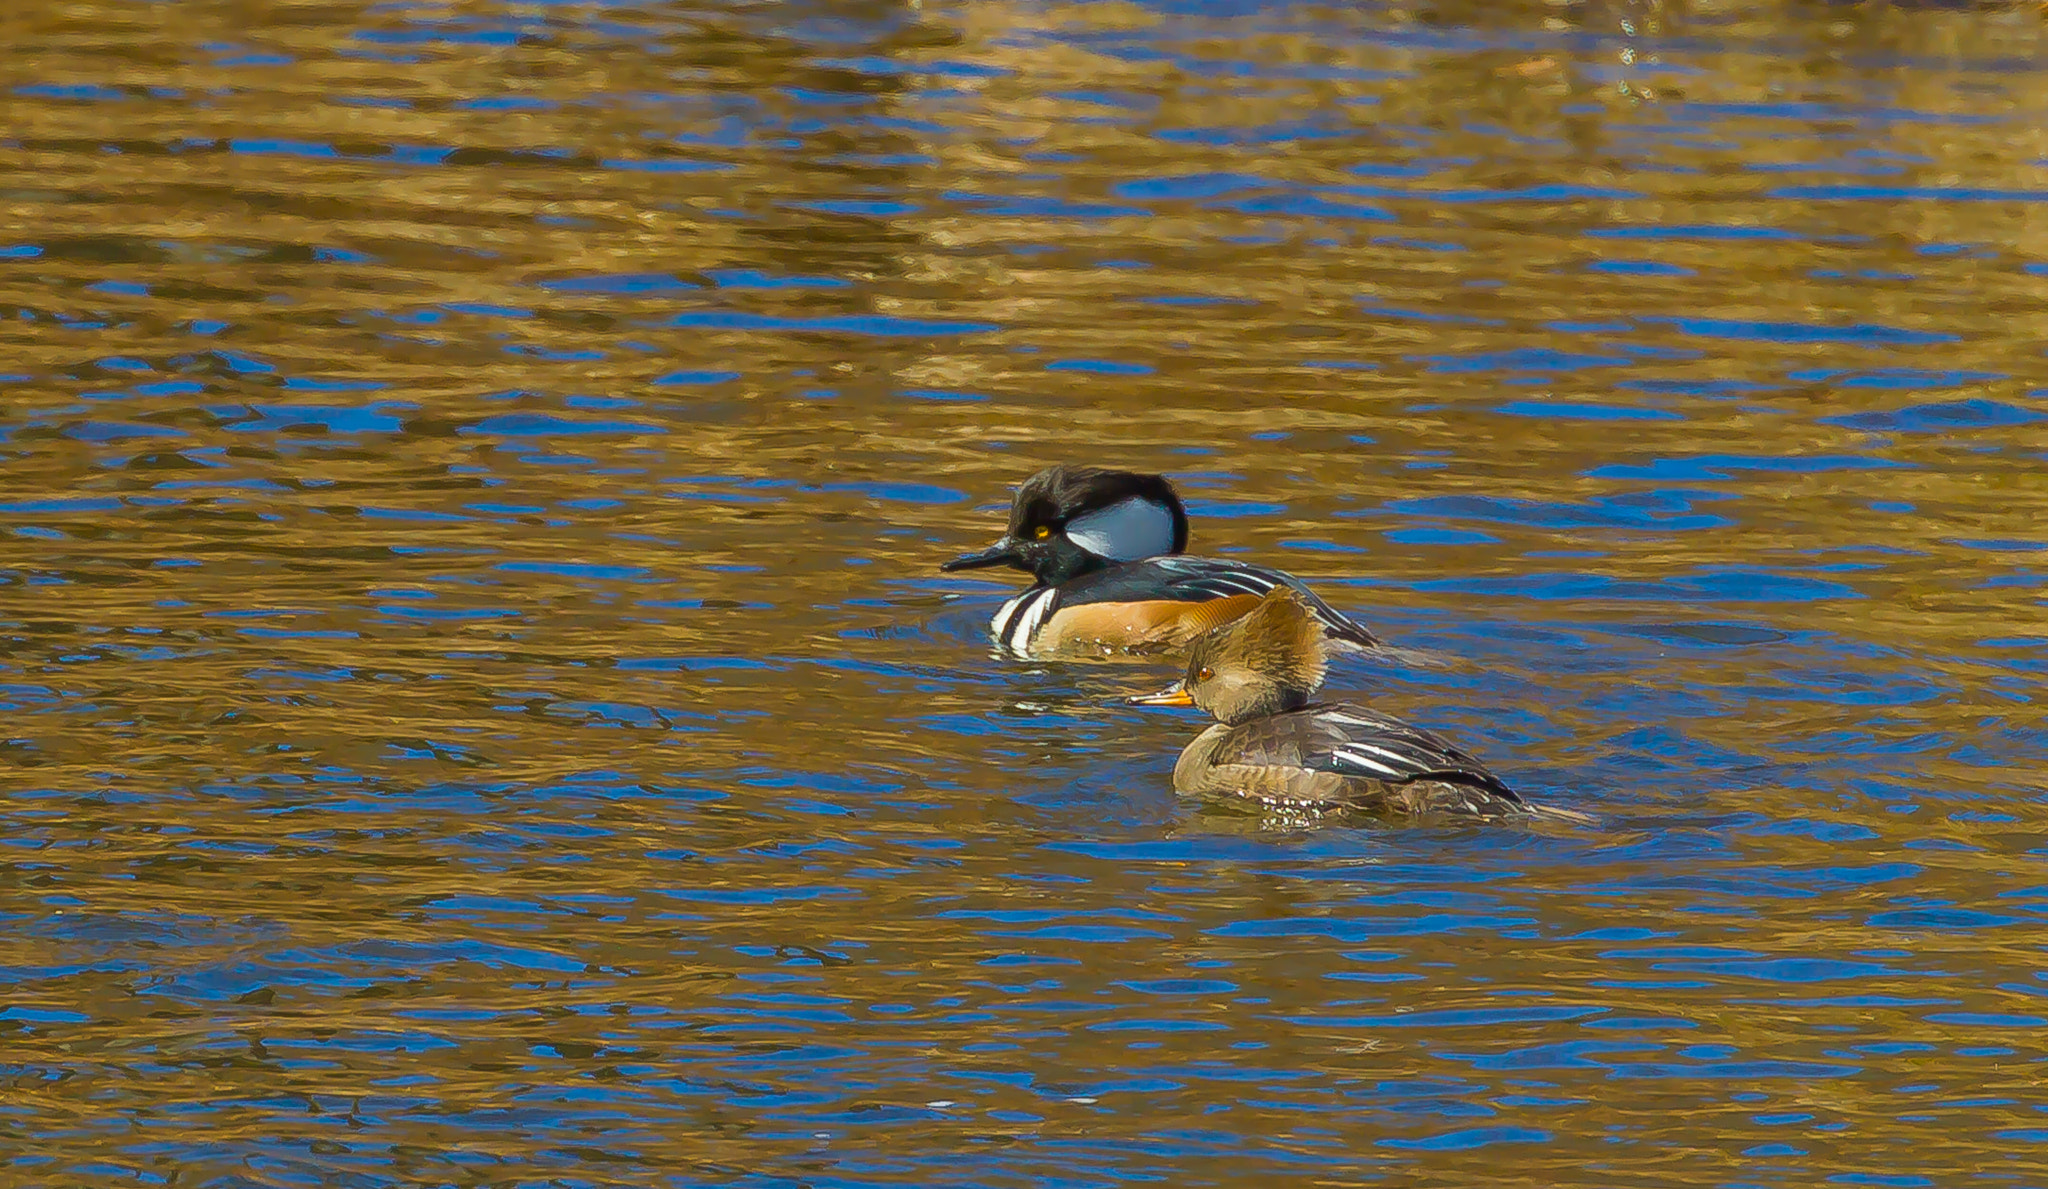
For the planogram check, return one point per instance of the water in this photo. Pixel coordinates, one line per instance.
(481, 708)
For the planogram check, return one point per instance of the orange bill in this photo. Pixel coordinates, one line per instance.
(1173, 695)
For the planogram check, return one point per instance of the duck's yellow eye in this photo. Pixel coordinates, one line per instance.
(1042, 532)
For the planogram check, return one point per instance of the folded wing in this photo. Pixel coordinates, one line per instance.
(1353, 742)
(1195, 579)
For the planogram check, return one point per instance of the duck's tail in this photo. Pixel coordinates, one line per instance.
(1345, 632)
(1567, 816)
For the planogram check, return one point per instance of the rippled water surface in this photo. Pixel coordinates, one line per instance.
(481, 709)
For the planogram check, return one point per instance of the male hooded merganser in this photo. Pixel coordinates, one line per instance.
(1272, 745)
(1104, 550)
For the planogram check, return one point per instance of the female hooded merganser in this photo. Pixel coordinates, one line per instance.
(1276, 747)
(1104, 550)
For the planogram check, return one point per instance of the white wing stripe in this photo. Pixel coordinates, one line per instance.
(1231, 584)
(1352, 757)
(1395, 756)
(1354, 720)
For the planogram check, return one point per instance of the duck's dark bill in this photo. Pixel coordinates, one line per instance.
(1175, 695)
(1003, 552)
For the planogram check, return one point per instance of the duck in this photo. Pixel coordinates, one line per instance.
(1273, 745)
(1106, 551)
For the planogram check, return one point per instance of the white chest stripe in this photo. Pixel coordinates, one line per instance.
(1021, 617)
(1032, 619)
(1004, 614)
(1124, 531)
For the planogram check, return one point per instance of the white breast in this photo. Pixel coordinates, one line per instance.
(1019, 619)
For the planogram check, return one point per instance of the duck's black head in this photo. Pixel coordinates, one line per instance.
(1067, 521)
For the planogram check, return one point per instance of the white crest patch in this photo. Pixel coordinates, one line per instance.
(1125, 531)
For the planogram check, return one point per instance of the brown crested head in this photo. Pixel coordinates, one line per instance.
(1272, 660)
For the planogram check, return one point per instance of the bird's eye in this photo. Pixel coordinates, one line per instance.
(1206, 674)
(1042, 532)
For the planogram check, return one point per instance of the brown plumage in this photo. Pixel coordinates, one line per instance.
(1156, 625)
(1273, 745)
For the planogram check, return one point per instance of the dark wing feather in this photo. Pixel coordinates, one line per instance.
(1182, 578)
(1366, 745)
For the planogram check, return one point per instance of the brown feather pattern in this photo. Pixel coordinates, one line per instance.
(1256, 676)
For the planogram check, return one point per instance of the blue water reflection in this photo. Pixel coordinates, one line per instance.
(482, 709)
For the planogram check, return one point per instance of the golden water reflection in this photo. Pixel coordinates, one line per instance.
(481, 709)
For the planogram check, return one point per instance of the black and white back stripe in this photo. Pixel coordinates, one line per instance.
(1019, 619)
(1223, 586)
(1377, 761)
(1210, 580)
(1397, 752)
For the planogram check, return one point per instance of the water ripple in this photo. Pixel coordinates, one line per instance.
(482, 708)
